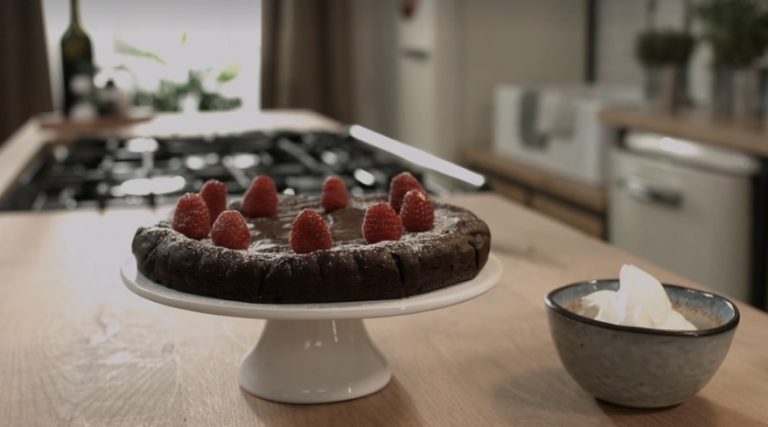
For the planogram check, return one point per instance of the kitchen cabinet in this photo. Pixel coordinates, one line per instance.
(748, 136)
(680, 205)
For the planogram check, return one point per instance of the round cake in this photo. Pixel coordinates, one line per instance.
(454, 250)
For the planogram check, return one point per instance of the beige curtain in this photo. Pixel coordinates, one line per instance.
(307, 56)
(24, 81)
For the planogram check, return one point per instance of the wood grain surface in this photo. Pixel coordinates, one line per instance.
(503, 166)
(78, 348)
(748, 135)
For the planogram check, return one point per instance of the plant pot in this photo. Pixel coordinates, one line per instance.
(665, 87)
(736, 92)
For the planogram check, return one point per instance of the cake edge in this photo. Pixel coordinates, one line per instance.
(385, 270)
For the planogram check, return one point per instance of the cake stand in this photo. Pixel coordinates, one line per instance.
(314, 353)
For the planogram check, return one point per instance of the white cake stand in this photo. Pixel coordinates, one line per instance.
(314, 353)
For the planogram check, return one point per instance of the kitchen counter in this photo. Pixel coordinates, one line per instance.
(79, 348)
(577, 204)
(748, 136)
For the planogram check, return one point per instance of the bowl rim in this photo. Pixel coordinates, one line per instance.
(727, 326)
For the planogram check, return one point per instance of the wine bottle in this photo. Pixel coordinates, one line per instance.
(76, 60)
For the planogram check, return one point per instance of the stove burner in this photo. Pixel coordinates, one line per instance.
(100, 173)
(245, 160)
(141, 145)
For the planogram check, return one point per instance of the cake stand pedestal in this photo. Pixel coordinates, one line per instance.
(314, 353)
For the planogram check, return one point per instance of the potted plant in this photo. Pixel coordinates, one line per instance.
(194, 89)
(737, 31)
(664, 54)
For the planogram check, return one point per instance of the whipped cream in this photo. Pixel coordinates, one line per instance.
(640, 301)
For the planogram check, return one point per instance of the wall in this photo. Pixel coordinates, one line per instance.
(619, 23)
(516, 41)
(431, 80)
(375, 55)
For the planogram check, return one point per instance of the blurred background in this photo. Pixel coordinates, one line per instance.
(412, 69)
(640, 122)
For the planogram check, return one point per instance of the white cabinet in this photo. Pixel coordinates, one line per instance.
(686, 207)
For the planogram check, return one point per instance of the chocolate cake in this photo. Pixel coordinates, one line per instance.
(454, 250)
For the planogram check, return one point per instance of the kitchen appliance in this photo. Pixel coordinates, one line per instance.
(558, 128)
(103, 173)
(685, 206)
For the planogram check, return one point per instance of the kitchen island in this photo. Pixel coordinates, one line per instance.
(79, 348)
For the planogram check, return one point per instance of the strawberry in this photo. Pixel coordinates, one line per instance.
(310, 233)
(400, 185)
(191, 217)
(214, 192)
(417, 212)
(231, 231)
(261, 198)
(335, 194)
(381, 223)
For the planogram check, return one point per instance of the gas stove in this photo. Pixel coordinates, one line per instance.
(104, 173)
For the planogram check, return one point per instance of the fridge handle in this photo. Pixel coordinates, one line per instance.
(640, 190)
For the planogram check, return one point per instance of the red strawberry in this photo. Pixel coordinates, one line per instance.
(400, 185)
(231, 231)
(417, 212)
(335, 194)
(310, 233)
(381, 223)
(214, 192)
(261, 198)
(191, 217)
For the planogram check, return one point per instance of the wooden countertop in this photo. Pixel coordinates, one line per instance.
(79, 348)
(748, 136)
(501, 165)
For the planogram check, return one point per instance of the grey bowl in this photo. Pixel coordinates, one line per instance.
(641, 367)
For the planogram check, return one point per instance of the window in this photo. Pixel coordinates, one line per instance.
(140, 43)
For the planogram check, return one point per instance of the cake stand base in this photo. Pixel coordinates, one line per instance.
(314, 361)
(314, 353)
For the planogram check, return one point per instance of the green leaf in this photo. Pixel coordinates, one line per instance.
(130, 50)
(736, 29)
(229, 73)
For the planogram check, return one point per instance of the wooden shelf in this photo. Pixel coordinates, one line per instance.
(748, 136)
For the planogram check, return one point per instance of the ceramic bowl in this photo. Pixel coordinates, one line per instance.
(641, 367)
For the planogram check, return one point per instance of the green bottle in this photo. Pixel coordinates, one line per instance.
(76, 60)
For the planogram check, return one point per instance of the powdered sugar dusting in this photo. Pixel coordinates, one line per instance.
(270, 235)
